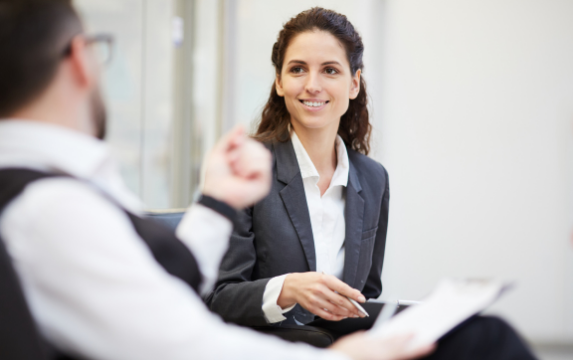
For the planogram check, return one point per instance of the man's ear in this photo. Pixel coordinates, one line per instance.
(83, 64)
(355, 86)
(279, 86)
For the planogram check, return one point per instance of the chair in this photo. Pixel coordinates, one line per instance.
(170, 218)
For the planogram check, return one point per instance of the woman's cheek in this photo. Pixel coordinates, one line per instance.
(341, 107)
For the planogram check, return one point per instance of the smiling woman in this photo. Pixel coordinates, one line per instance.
(317, 241)
(317, 82)
(320, 48)
(319, 237)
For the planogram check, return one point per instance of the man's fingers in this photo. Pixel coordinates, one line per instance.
(360, 346)
(230, 140)
(420, 351)
(249, 191)
(238, 135)
(252, 159)
(401, 347)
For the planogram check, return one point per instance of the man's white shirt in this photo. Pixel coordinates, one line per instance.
(92, 284)
(326, 219)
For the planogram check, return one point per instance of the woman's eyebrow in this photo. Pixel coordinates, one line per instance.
(331, 63)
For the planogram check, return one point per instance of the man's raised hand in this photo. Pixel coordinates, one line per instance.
(237, 170)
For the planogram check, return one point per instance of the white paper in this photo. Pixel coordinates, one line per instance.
(452, 302)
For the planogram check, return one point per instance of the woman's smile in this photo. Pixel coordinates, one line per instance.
(314, 104)
(316, 81)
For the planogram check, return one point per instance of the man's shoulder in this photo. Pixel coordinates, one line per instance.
(57, 199)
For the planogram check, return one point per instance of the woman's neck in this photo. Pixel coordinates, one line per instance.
(320, 147)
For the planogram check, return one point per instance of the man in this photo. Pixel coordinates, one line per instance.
(101, 282)
(93, 286)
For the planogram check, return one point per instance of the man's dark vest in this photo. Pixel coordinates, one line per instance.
(19, 338)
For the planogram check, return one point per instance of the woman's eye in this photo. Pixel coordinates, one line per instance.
(296, 70)
(331, 71)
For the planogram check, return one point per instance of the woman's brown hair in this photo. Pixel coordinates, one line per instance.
(354, 126)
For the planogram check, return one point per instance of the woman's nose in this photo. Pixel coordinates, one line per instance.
(313, 85)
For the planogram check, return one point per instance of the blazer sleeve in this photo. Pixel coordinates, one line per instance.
(236, 297)
(373, 287)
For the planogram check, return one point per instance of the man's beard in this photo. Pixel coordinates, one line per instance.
(99, 114)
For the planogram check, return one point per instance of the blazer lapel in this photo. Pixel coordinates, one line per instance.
(294, 198)
(353, 214)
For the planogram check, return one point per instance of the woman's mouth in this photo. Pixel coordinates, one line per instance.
(314, 104)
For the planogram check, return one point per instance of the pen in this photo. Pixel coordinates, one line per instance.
(357, 305)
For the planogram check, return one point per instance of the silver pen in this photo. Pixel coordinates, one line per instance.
(358, 306)
(355, 303)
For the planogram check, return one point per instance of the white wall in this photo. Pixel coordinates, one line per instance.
(477, 115)
(473, 116)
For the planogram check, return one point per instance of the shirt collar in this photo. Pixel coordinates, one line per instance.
(307, 168)
(51, 147)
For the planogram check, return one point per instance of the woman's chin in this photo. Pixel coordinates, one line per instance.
(316, 123)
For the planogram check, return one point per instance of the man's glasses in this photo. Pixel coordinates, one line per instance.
(102, 45)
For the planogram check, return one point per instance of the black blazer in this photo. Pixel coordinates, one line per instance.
(274, 237)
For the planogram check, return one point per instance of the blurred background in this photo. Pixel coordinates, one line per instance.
(472, 106)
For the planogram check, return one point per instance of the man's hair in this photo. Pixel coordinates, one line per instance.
(34, 36)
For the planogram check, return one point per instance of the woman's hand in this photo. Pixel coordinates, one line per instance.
(359, 346)
(321, 294)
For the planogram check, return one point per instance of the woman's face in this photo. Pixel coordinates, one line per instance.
(316, 81)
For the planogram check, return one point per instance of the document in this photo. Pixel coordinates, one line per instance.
(451, 302)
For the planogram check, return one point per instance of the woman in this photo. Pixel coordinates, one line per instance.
(320, 234)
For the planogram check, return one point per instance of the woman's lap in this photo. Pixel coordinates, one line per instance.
(482, 337)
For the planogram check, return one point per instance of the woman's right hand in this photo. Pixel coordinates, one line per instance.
(321, 294)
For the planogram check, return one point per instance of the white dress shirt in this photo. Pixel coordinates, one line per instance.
(92, 284)
(326, 219)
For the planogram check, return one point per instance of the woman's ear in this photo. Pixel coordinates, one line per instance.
(355, 86)
(278, 86)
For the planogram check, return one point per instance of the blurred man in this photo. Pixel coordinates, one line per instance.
(100, 281)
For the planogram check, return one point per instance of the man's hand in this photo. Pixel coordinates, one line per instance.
(359, 346)
(238, 170)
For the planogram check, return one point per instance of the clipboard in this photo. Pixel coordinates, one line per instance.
(452, 302)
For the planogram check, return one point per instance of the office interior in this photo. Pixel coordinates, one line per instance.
(472, 105)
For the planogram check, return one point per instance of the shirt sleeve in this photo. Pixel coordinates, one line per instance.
(207, 234)
(96, 291)
(273, 312)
